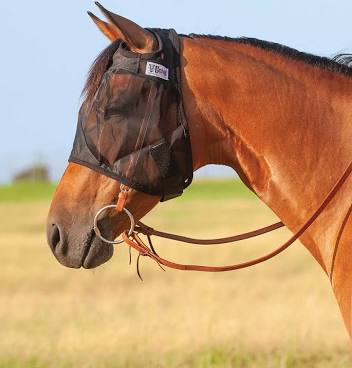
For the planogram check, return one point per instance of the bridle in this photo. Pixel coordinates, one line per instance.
(133, 240)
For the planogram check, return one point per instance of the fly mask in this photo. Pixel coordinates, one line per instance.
(134, 130)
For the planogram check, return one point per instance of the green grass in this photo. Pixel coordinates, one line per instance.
(26, 191)
(217, 189)
(200, 189)
(210, 358)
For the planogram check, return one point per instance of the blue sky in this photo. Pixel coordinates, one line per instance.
(48, 46)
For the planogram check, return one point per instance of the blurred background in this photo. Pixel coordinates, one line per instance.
(279, 314)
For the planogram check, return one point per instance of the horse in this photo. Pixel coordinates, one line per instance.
(279, 117)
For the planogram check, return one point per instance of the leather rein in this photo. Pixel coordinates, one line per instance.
(133, 240)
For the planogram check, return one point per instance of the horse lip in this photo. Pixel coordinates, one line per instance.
(87, 247)
(96, 252)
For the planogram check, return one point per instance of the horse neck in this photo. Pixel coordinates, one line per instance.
(284, 126)
(281, 123)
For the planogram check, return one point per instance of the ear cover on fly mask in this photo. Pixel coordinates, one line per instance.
(135, 130)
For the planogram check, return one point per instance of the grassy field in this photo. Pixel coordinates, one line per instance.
(281, 314)
(203, 190)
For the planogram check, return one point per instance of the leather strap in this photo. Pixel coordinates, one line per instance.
(146, 230)
(122, 199)
(136, 242)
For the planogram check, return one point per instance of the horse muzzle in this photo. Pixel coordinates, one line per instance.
(78, 247)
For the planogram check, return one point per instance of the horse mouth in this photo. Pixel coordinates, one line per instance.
(96, 252)
(87, 248)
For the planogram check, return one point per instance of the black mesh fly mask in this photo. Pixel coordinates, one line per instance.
(134, 130)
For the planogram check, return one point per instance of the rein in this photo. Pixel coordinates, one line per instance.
(133, 240)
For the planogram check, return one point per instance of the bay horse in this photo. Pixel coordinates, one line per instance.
(280, 118)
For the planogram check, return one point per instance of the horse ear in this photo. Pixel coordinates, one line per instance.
(137, 38)
(110, 31)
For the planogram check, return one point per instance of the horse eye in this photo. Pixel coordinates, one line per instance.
(115, 111)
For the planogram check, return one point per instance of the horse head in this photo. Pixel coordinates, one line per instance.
(119, 119)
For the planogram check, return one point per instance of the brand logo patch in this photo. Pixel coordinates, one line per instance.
(157, 70)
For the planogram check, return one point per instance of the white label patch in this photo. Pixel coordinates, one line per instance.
(157, 70)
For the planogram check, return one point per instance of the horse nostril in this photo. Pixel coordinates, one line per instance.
(54, 236)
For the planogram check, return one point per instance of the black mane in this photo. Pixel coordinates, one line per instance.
(98, 68)
(341, 63)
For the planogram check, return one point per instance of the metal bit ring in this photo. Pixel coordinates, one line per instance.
(97, 231)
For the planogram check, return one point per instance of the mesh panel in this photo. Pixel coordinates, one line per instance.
(131, 130)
